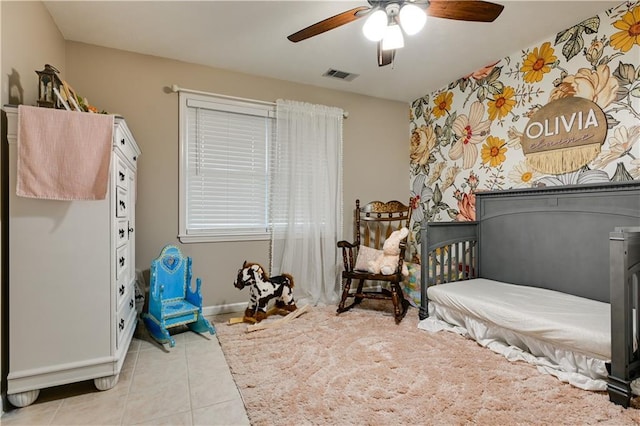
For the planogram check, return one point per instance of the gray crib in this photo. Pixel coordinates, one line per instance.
(582, 240)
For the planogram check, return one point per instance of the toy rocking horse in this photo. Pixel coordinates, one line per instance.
(262, 289)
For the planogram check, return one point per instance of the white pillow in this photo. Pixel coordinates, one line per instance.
(365, 254)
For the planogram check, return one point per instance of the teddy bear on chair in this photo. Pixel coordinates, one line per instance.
(387, 261)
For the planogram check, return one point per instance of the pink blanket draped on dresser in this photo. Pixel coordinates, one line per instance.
(63, 155)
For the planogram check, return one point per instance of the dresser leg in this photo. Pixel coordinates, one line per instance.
(106, 383)
(22, 399)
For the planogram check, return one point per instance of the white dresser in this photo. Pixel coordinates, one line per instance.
(71, 279)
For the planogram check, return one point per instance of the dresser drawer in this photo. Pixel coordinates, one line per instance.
(124, 293)
(122, 264)
(122, 202)
(121, 292)
(123, 145)
(122, 232)
(121, 172)
(125, 318)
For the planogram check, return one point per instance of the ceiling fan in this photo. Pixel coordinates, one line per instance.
(387, 17)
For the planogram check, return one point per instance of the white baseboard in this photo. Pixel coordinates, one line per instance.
(224, 309)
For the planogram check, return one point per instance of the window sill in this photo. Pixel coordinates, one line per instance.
(209, 238)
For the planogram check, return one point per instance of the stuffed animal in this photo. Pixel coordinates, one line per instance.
(387, 261)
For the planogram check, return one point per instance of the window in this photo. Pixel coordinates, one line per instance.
(224, 168)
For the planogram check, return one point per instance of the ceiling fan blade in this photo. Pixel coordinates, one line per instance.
(385, 57)
(465, 10)
(328, 24)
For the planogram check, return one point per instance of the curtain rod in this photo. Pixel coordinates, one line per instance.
(175, 88)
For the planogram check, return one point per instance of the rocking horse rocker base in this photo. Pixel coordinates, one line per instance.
(254, 317)
(254, 325)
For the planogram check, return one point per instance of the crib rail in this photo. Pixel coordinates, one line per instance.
(449, 253)
(625, 313)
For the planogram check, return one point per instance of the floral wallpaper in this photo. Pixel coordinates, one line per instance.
(466, 137)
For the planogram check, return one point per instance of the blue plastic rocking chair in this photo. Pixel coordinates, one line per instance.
(171, 301)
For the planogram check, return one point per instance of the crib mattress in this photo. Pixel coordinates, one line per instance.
(566, 321)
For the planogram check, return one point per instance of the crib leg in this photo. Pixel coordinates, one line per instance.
(619, 391)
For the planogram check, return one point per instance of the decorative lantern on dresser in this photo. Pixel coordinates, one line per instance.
(48, 84)
(71, 260)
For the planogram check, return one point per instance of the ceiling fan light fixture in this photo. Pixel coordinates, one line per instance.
(412, 18)
(375, 26)
(393, 38)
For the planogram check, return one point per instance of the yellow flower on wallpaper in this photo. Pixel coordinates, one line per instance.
(469, 131)
(598, 85)
(438, 168)
(423, 140)
(523, 175)
(443, 104)
(450, 177)
(595, 51)
(493, 151)
(630, 31)
(502, 103)
(538, 62)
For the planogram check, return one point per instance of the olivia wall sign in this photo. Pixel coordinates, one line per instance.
(564, 135)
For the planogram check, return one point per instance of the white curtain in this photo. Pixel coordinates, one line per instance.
(306, 199)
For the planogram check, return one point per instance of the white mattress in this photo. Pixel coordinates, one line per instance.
(563, 335)
(569, 322)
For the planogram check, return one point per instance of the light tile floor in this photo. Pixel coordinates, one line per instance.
(189, 384)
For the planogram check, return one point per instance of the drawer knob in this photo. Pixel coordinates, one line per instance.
(121, 289)
(130, 230)
(121, 232)
(122, 141)
(121, 261)
(121, 325)
(121, 176)
(122, 205)
(131, 303)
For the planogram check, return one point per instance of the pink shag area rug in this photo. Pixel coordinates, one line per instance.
(361, 368)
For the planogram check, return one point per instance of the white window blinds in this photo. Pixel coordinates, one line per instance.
(225, 160)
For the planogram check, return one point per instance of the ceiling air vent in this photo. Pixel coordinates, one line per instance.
(340, 75)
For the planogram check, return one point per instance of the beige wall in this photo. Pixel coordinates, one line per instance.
(29, 39)
(135, 86)
(376, 147)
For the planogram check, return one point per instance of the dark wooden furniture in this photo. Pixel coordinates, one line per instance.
(374, 222)
(624, 252)
(582, 240)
